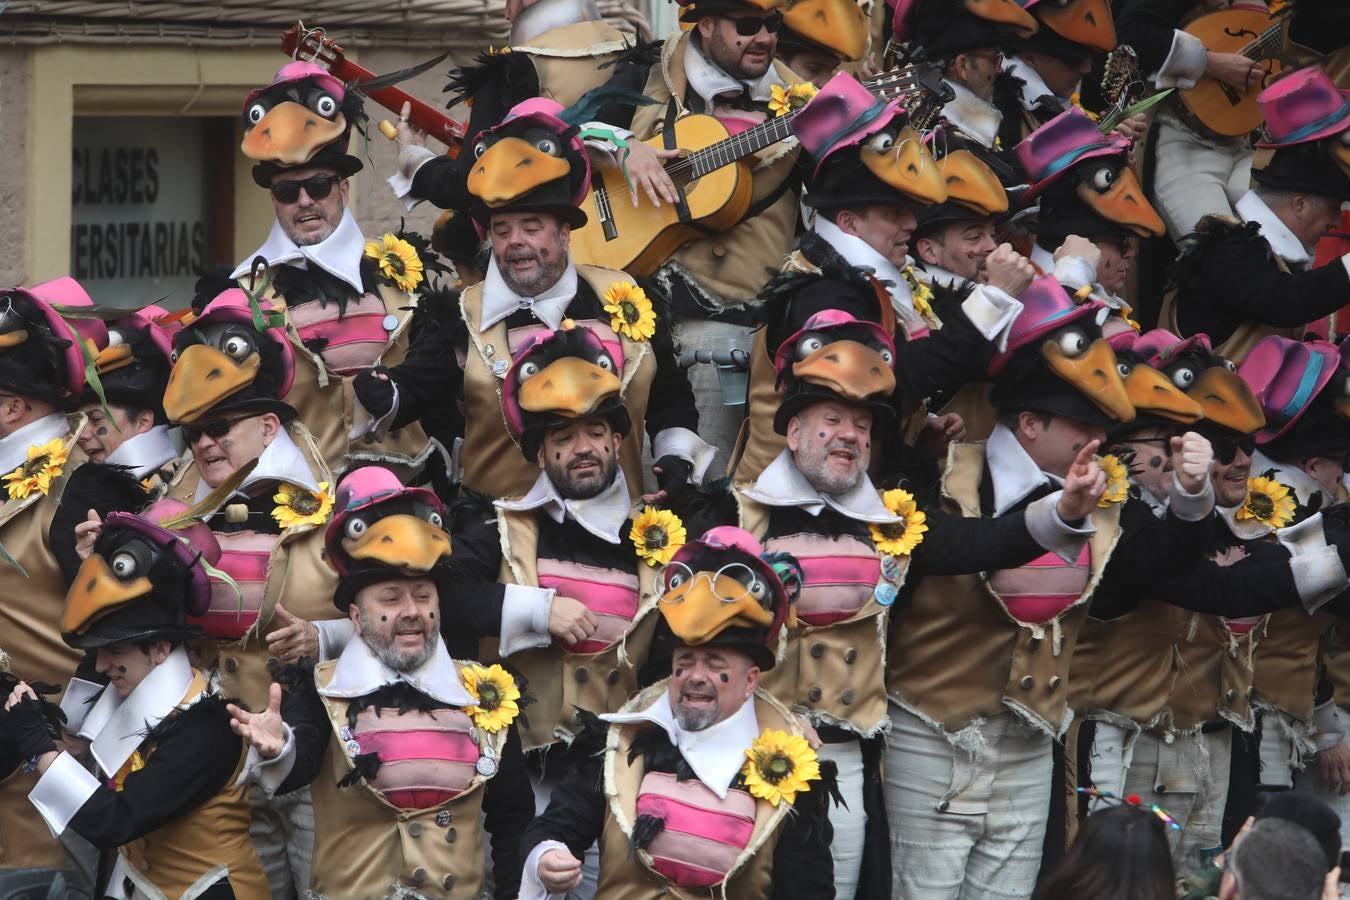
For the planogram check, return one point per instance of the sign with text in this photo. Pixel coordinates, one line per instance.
(138, 220)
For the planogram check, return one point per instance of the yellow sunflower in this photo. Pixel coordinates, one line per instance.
(778, 765)
(1078, 102)
(901, 538)
(1117, 480)
(785, 100)
(922, 293)
(398, 261)
(1268, 502)
(630, 311)
(496, 694)
(657, 534)
(297, 506)
(37, 473)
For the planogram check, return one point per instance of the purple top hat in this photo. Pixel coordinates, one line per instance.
(842, 114)
(1057, 146)
(185, 545)
(1285, 375)
(1046, 306)
(360, 489)
(232, 306)
(1303, 107)
(829, 320)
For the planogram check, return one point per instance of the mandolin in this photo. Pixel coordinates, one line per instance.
(713, 177)
(1257, 35)
(298, 40)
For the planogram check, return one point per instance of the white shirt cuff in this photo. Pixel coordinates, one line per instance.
(410, 160)
(525, 618)
(77, 700)
(992, 311)
(1345, 261)
(1185, 63)
(61, 791)
(1319, 576)
(531, 888)
(686, 445)
(1191, 507)
(604, 148)
(333, 637)
(1053, 533)
(366, 427)
(1074, 272)
(268, 774)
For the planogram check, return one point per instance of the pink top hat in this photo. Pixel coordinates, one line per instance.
(900, 29)
(1303, 107)
(1046, 307)
(361, 489)
(842, 114)
(828, 320)
(186, 544)
(296, 70)
(232, 306)
(1057, 146)
(1160, 346)
(66, 291)
(159, 335)
(1285, 375)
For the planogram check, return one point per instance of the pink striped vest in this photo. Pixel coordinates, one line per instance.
(703, 834)
(245, 557)
(840, 575)
(426, 758)
(609, 593)
(1043, 588)
(354, 341)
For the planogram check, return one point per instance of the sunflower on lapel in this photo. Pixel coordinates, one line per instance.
(899, 538)
(922, 294)
(496, 696)
(630, 310)
(790, 99)
(43, 466)
(657, 534)
(297, 506)
(778, 766)
(1268, 502)
(397, 260)
(1117, 480)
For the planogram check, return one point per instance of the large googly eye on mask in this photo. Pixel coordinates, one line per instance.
(548, 145)
(124, 565)
(881, 142)
(1345, 138)
(479, 149)
(324, 104)
(1124, 369)
(435, 521)
(885, 353)
(1073, 343)
(237, 345)
(1183, 377)
(1232, 366)
(254, 114)
(527, 370)
(355, 528)
(603, 360)
(808, 344)
(1101, 178)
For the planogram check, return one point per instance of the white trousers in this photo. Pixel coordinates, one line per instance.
(1188, 779)
(590, 866)
(718, 424)
(1196, 176)
(849, 824)
(1112, 753)
(1279, 751)
(966, 823)
(282, 829)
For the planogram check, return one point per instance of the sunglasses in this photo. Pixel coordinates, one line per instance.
(217, 429)
(318, 187)
(750, 25)
(1226, 449)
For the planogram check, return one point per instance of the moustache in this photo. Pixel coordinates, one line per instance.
(410, 626)
(586, 459)
(520, 255)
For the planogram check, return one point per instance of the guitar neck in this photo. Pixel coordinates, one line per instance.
(1264, 45)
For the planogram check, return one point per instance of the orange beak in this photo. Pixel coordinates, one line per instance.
(96, 592)
(12, 339)
(972, 183)
(695, 613)
(110, 359)
(1124, 203)
(402, 541)
(1085, 22)
(1227, 400)
(852, 370)
(202, 377)
(1004, 12)
(1095, 374)
(569, 386)
(840, 25)
(290, 134)
(1150, 391)
(512, 168)
(908, 167)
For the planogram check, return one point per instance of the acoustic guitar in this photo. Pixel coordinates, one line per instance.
(713, 177)
(1257, 35)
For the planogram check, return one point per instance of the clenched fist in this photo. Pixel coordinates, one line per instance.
(1083, 486)
(1192, 460)
(1009, 270)
(1081, 247)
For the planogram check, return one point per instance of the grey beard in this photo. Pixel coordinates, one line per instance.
(694, 719)
(400, 662)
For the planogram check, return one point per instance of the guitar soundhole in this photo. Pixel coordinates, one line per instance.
(1240, 33)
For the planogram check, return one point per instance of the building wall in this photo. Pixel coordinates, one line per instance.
(14, 169)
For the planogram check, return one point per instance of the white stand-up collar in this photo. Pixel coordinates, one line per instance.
(146, 452)
(1304, 486)
(783, 484)
(549, 307)
(339, 254)
(280, 461)
(1014, 472)
(709, 81)
(716, 754)
(602, 515)
(1035, 91)
(360, 672)
(975, 117)
(14, 447)
(118, 726)
(859, 253)
(1251, 208)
